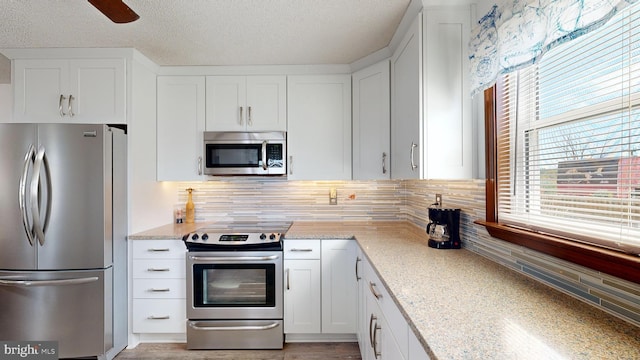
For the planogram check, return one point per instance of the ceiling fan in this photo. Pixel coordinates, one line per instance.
(116, 10)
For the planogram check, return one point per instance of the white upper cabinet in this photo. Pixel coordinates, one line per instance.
(180, 124)
(447, 103)
(431, 115)
(371, 123)
(246, 103)
(406, 105)
(319, 127)
(70, 91)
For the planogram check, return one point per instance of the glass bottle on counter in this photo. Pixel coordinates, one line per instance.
(190, 208)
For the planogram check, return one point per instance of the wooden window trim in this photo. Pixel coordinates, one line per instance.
(611, 262)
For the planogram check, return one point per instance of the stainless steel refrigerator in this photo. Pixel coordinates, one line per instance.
(63, 225)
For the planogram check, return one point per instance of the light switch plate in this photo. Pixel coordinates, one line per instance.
(333, 196)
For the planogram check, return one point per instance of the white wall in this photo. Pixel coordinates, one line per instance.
(6, 102)
(150, 202)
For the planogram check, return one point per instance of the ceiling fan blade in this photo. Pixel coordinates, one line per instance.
(115, 10)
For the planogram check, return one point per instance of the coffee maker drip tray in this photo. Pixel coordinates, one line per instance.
(444, 228)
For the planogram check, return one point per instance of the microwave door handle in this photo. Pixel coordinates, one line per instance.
(22, 197)
(264, 155)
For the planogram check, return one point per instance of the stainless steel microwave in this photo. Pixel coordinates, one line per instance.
(245, 153)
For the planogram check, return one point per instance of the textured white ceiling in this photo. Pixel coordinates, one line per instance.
(212, 32)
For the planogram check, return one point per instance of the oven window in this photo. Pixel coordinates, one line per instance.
(236, 155)
(234, 285)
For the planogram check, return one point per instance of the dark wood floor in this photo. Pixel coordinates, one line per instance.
(291, 351)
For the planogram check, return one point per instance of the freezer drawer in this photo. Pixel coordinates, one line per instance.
(71, 307)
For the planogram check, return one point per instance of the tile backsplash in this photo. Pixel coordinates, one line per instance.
(278, 200)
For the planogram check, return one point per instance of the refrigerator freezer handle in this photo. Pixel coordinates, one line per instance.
(35, 181)
(22, 196)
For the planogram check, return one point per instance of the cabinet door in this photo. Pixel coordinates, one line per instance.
(406, 105)
(98, 91)
(319, 127)
(363, 335)
(180, 123)
(302, 296)
(416, 350)
(226, 103)
(448, 118)
(38, 85)
(339, 286)
(266, 103)
(371, 122)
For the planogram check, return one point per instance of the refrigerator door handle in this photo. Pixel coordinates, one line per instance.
(22, 196)
(31, 283)
(35, 206)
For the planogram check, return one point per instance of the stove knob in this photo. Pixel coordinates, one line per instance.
(194, 237)
(205, 237)
(263, 236)
(272, 236)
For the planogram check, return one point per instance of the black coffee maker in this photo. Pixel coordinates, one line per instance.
(444, 228)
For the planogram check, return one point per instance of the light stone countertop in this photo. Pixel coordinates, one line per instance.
(463, 306)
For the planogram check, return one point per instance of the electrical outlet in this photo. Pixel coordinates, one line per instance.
(333, 196)
(439, 199)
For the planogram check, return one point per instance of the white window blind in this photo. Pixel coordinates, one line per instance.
(569, 139)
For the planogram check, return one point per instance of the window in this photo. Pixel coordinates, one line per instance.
(566, 147)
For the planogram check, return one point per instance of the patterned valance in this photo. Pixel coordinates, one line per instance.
(517, 33)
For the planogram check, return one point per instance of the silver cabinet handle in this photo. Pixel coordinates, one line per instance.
(199, 165)
(372, 318)
(158, 269)
(159, 290)
(290, 165)
(30, 283)
(413, 165)
(70, 106)
(196, 326)
(384, 162)
(288, 287)
(357, 275)
(249, 121)
(301, 250)
(372, 287)
(22, 193)
(264, 151)
(158, 249)
(162, 317)
(240, 115)
(62, 98)
(376, 353)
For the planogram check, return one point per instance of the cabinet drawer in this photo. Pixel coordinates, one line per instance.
(159, 269)
(159, 289)
(302, 249)
(159, 316)
(159, 249)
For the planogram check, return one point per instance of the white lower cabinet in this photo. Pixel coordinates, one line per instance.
(384, 331)
(320, 287)
(158, 290)
(416, 350)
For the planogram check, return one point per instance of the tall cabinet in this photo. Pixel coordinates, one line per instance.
(406, 105)
(431, 115)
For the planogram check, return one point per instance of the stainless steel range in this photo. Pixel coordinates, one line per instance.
(234, 289)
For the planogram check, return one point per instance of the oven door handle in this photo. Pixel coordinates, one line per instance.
(233, 258)
(194, 325)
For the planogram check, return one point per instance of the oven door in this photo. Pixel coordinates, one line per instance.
(234, 285)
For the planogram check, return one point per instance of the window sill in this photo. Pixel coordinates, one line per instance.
(611, 262)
